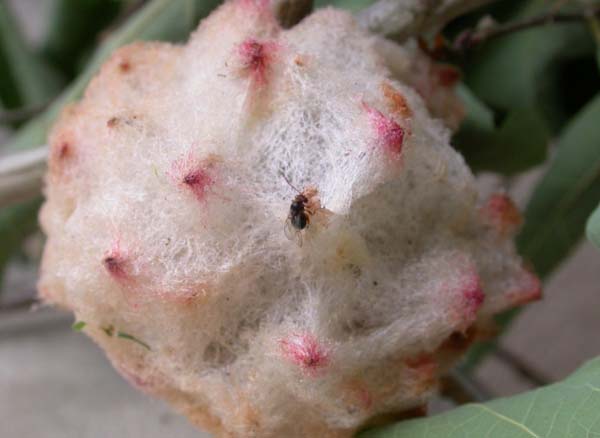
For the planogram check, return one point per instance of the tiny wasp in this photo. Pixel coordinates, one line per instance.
(304, 205)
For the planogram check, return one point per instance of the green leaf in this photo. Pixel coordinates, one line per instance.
(569, 409)
(593, 227)
(24, 79)
(78, 326)
(567, 194)
(522, 69)
(594, 25)
(129, 337)
(159, 20)
(518, 144)
(561, 203)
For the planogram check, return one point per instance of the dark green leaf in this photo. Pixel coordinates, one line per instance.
(523, 69)
(74, 28)
(159, 20)
(569, 409)
(129, 337)
(561, 203)
(16, 224)
(78, 326)
(24, 79)
(518, 144)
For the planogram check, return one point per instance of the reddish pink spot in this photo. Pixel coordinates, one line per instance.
(134, 379)
(472, 298)
(257, 58)
(196, 176)
(198, 181)
(529, 290)
(501, 213)
(115, 266)
(125, 66)
(389, 133)
(116, 262)
(305, 351)
(64, 150)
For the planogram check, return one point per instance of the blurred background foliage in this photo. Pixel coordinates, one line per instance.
(532, 99)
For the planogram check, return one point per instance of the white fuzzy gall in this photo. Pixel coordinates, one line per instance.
(167, 209)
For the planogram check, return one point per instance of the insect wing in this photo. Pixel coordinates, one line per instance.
(291, 232)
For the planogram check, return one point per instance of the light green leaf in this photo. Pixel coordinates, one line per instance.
(351, 5)
(567, 194)
(593, 227)
(129, 337)
(78, 326)
(569, 409)
(158, 20)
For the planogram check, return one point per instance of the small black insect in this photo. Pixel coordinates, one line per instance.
(303, 206)
(298, 215)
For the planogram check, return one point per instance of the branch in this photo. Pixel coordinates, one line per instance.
(475, 37)
(521, 367)
(21, 175)
(402, 19)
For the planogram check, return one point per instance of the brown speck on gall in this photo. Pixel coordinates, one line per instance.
(396, 101)
(64, 150)
(112, 122)
(125, 66)
(502, 214)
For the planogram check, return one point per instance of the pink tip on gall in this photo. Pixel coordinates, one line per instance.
(256, 59)
(115, 262)
(472, 298)
(115, 266)
(395, 100)
(502, 214)
(194, 175)
(529, 289)
(305, 351)
(390, 134)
